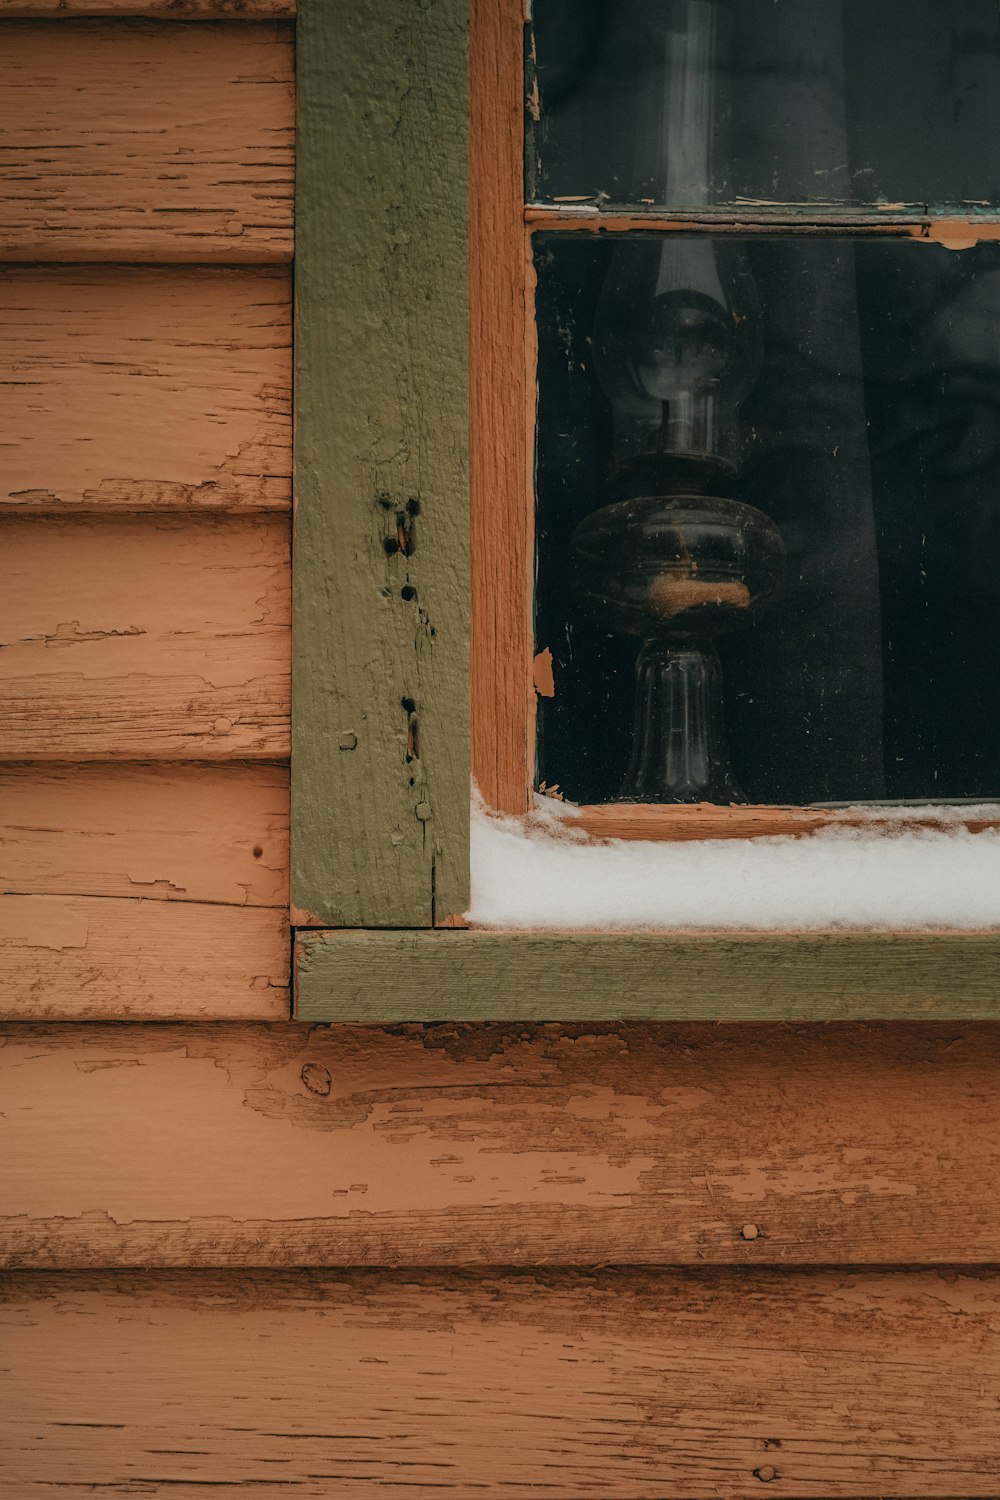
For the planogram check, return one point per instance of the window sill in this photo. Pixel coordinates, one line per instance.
(393, 976)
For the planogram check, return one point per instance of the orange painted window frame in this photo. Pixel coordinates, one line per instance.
(503, 355)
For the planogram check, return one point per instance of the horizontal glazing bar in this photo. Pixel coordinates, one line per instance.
(955, 233)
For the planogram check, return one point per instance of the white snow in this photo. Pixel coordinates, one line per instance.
(540, 872)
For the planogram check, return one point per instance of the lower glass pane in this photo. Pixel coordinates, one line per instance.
(847, 391)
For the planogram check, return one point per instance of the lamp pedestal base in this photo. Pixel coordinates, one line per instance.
(679, 751)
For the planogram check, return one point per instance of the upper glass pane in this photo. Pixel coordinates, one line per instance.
(893, 104)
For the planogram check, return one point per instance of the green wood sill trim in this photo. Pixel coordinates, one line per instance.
(457, 975)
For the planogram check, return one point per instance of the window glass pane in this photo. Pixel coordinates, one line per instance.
(691, 103)
(848, 391)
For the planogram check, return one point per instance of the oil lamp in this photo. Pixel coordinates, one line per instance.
(677, 348)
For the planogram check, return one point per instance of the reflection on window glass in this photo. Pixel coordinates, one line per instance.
(799, 442)
(690, 103)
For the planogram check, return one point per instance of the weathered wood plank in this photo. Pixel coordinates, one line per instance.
(141, 140)
(388, 977)
(380, 792)
(503, 358)
(171, 833)
(144, 637)
(79, 957)
(212, 840)
(463, 1146)
(135, 388)
(171, 10)
(615, 1386)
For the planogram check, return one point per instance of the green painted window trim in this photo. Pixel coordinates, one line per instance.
(380, 724)
(389, 977)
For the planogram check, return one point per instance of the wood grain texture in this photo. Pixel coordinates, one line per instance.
(216, 834)
(79, 957)
(900, 221)
(577, 976)
(706, 820)
(130, 638)
(502, 385)
(170, 10)
(145, 141)
(136, 388)
(286, 1145)
(615, 1386)
(91, 854)
(380, 782)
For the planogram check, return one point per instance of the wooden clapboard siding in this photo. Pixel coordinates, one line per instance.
(478, 1145)
(127, 638)
(146, 141)
(92, 855)
(134, 890)
(145, 388)
(172, 10)
(217, 834)
(67, 957)
(614, 1385)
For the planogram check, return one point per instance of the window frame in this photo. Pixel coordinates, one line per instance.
(413, 465)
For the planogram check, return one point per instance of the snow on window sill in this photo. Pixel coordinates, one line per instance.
(883, 874)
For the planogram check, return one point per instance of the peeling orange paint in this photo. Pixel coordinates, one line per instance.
(542, 674)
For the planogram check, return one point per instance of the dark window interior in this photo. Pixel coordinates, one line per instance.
(871, 438)
(838, 102)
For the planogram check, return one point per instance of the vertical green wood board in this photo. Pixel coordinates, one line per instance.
(380, 734)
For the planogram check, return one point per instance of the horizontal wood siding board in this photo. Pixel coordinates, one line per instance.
(89, 853)
(470, 976)
(141, 388)
(190, 833)
(65, 958)
(144, 638)
(611, 1386)
(146, 141)
(380, 779)
(170, 10)
(223, 1145)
